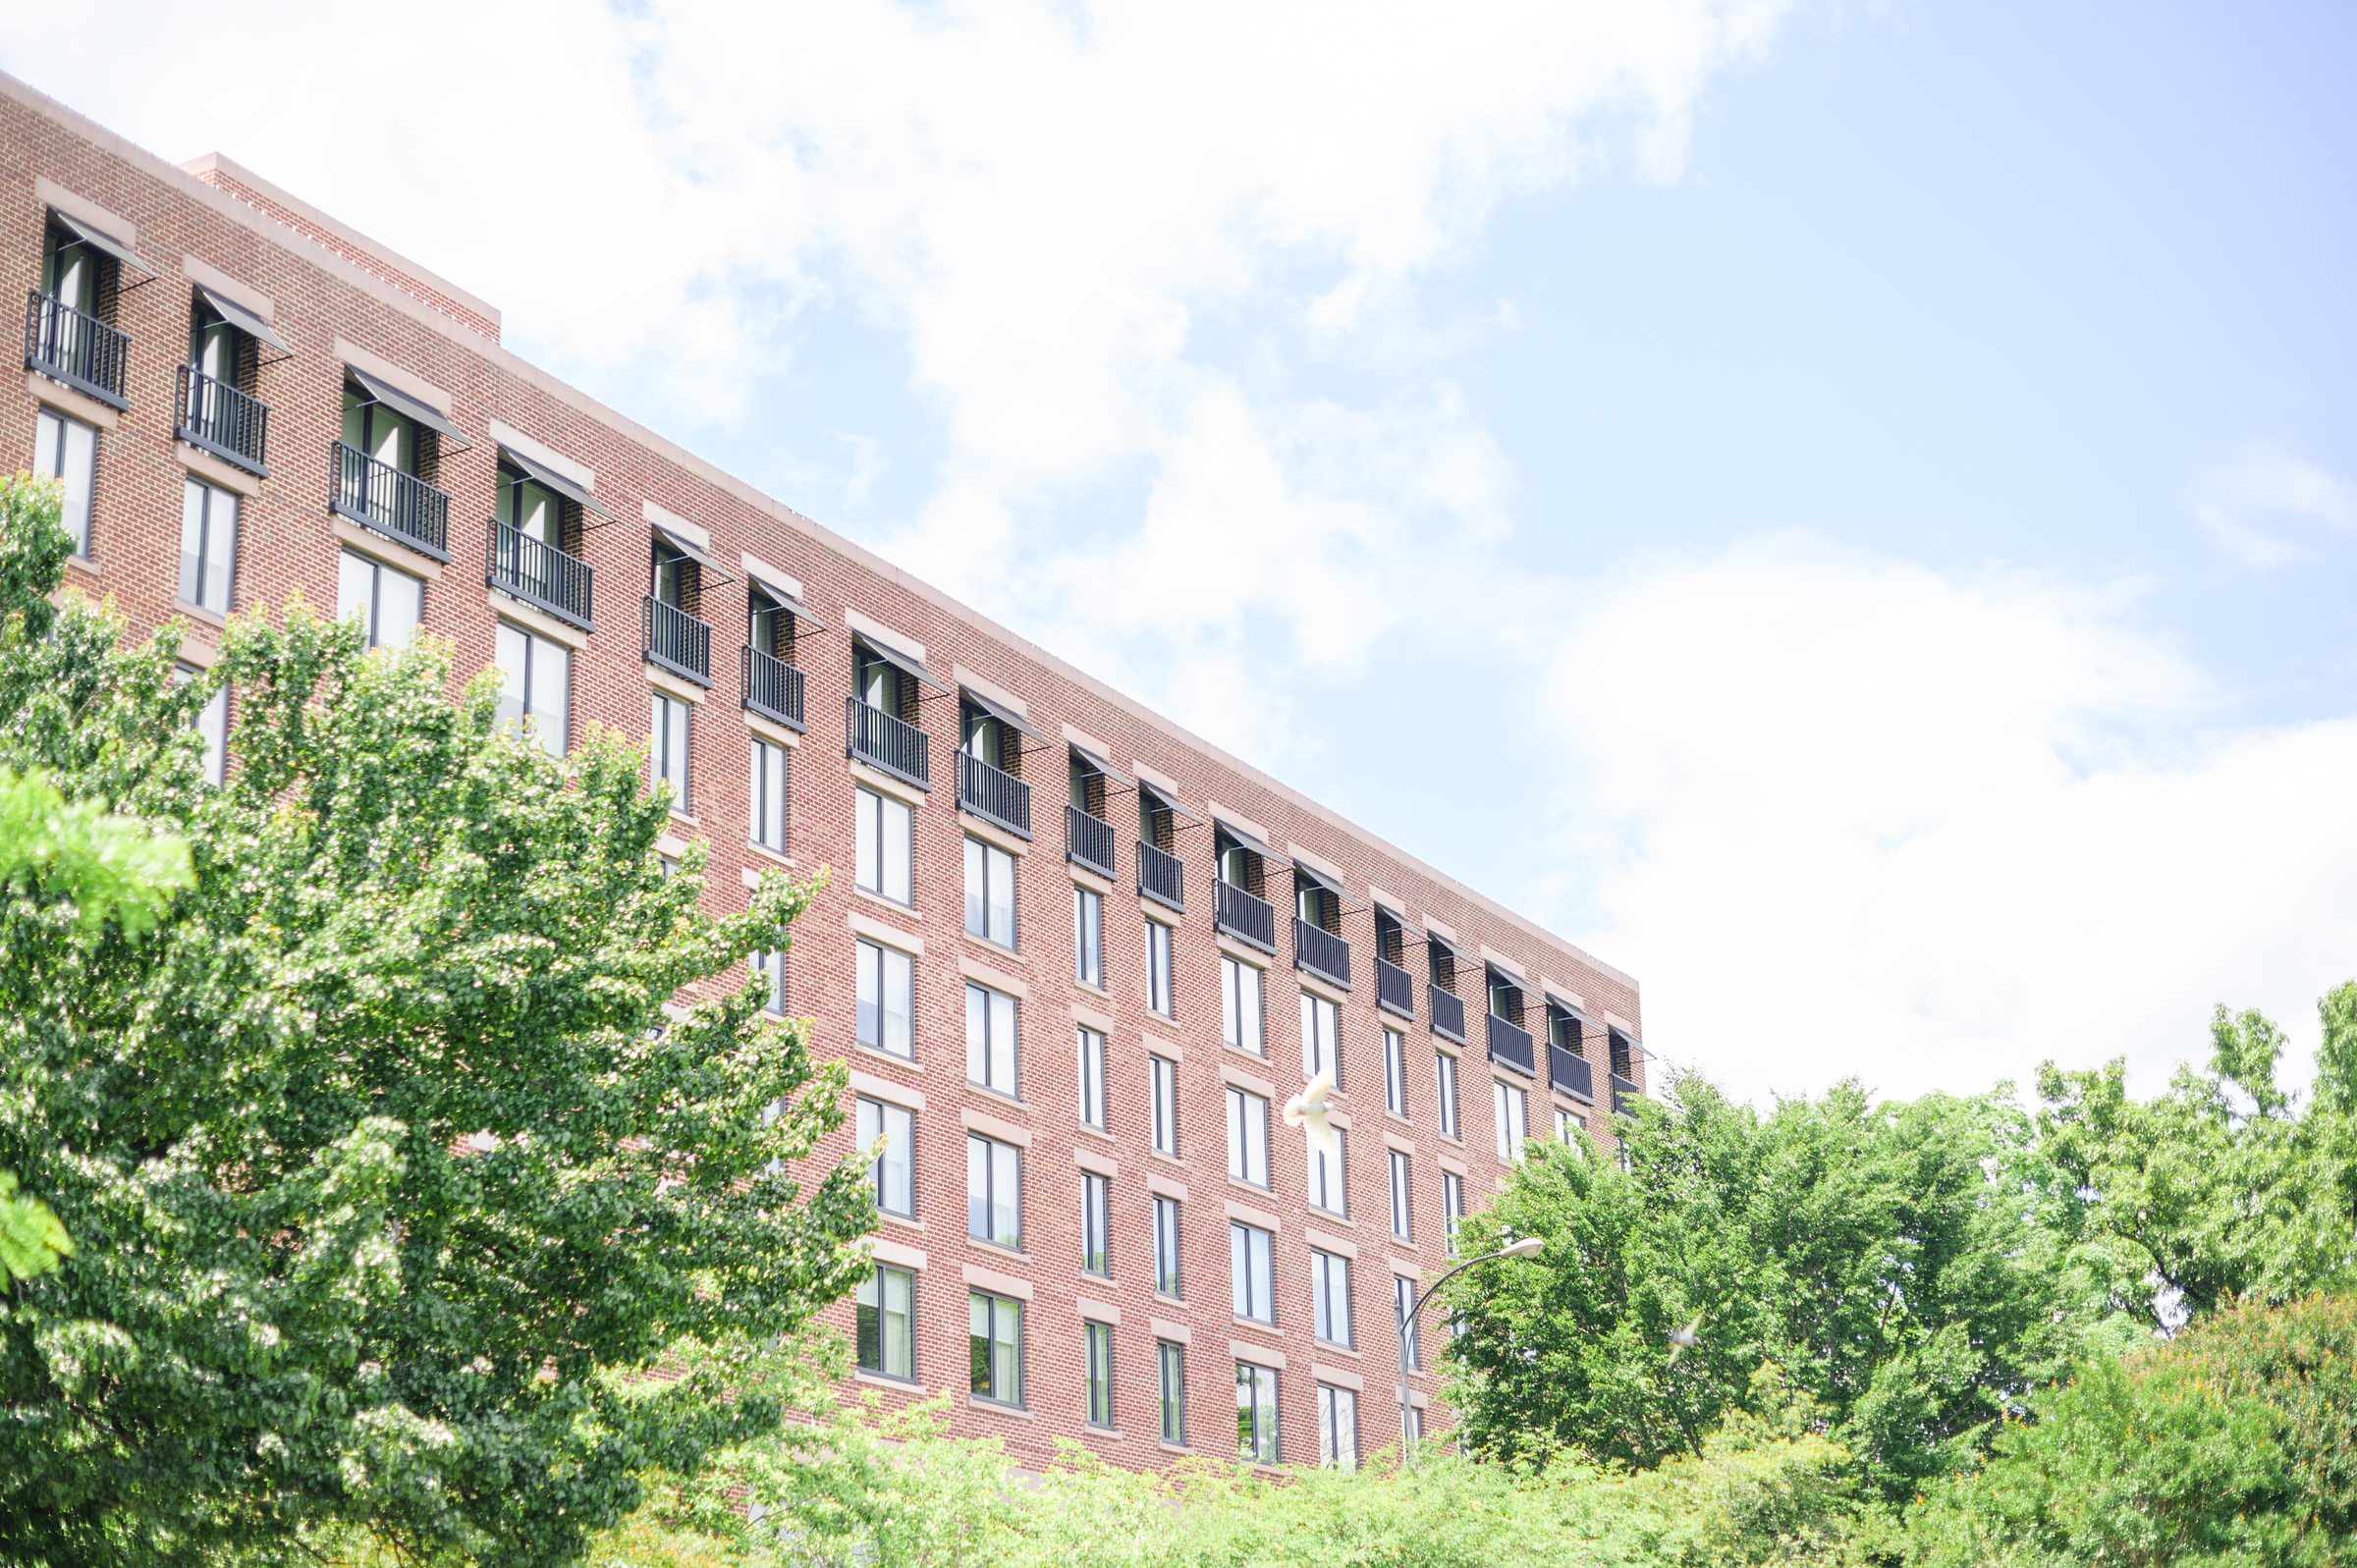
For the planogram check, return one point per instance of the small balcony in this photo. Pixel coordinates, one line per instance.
(380, 497)
(215, 416)
(1088, 841)
(76, 349)
(1570, 1071)
(1511, 1044)
(1246, 918)
(1395, 989)
(994, 795)
(675, 640)
(773, 689)
(888, 742)
(540, 574)
(1321, 952)
(1161, 876)
(1624, 1093)
(1447, 1013)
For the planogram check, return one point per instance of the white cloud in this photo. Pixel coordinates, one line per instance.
(2255, 506)
(1854, 816)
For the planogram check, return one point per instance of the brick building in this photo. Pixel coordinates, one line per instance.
(1077, 959)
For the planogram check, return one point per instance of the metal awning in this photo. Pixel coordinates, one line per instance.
(786, 597)
(901, 662)
(1302, 868)
(417, 409)
(1170, 802)
(691, 550)
(100, 241)
(1003, 714)
(1104, 765)
(1567, 1010)
(1248, 841)
(245, 320)
(1434, 939)
(1526, 987)
(548, 478)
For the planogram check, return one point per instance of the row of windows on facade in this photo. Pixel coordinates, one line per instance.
(996, 1339)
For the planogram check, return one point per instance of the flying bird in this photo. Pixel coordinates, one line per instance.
(1684, 1339)
(1308, 1111)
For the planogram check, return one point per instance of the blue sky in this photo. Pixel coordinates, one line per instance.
(1845, 510)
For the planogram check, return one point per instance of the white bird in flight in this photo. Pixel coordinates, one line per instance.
(1308, 1111)
(1684, 1339)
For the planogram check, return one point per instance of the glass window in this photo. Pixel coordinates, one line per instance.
(994, 1191)
(1096, 1346)
(1247, 1137)
(1162, 1095)
(1088, 937)
(989, 893)
(1443, 1077)
(887, 1006)
(1403, 1183)
(667, 748)
(1330, 1297)
(1403, 1306)
(1329, 1182)
(894, 1164)
(887, 1322)
(769, 765)
(1395, 1072)
(1158, 968)
(1096, 1224)
(376, 431)
(1412, 1424)
(1256, 1413)
(1338, 1427)
(1171, 1390)
(1239, 1005)
(768, 968)
(886, 849)
(1513, 1107)
(1321, 1033)
(67, 450)
(1092, 1078)
(990, 1040)
(1453, 1209)
(996, 1326)
(388, 603)
(208, 545)
(1249, 1262)
(211, 725)
(1166, 1246)
(534, 684)
(1569, 1127)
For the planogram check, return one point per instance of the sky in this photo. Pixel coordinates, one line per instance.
(1847, 510)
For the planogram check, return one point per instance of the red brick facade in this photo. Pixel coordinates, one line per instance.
(338, 301)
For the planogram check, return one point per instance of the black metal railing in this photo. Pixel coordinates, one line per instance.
(1321, 952)
(1511, 1044)
(1088, 841)
(1623, 1091)
(1570, 1071)
(1244, 917)
(888, 742)
(539, 574)
(1161, 876)
(675, 640)
(994, 795)
(773, 689)
(76, 348)
(1447, 1013)
(1395, 989)
(217, 417)
(376, 495)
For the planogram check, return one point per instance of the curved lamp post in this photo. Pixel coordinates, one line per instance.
(1520, 1247)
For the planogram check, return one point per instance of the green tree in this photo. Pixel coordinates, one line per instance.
(1894, 1260)
(2224, 1187)
(391, 1164)
(2237, 1443)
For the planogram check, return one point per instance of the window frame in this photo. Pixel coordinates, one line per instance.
(1168, 1260)
(1512, 1139)
(204, 497)
(1321, 1048)
(1088, 937)
(1395, 1072)
(1169, 1391)
(886, 958)
(875, 1283)
(81, 504)
(1335, 1182)
(1263, 1443)
(372, 613)
(670, 746)
(994, 1306)
(1453, 1210)
(1403, 1185)
(873, 811)
(1096, 1224)
(770, 789)
(1251, 1268)
(1234, 974)
(1328, 1273)
(1162, 1104)
(1444, 1073)
(1096, 1375)
(982, 866)
(984, 1054)
(989, 1200)
(1245, 1152)
(1159, 998)
(1089, 1047)
(886, 1114)
(1332, 1400)
(556, 740)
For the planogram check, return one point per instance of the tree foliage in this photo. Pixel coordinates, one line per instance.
(1892, 1259)
(2235, 1443)
(388, 1163)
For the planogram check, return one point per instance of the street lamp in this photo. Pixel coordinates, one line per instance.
(1520, 1247)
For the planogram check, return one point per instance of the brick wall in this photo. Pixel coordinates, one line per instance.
(324, 284)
